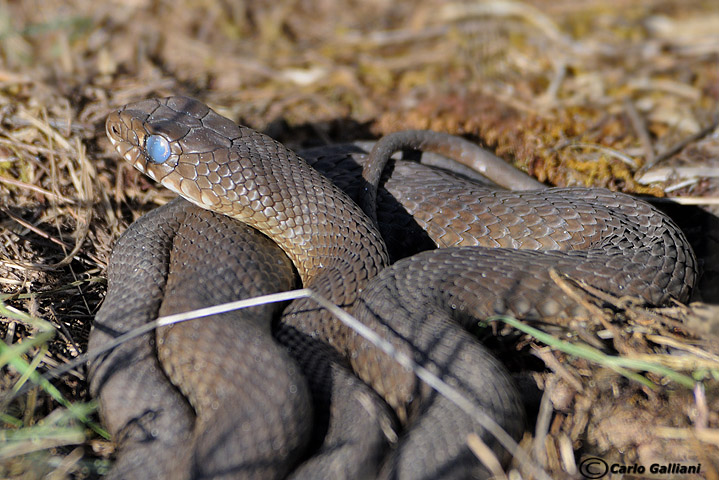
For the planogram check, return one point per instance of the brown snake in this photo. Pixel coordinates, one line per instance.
(613, 241)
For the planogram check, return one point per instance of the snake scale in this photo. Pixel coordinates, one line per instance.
(239, 405)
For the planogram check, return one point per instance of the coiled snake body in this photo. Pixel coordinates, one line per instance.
(614, 242)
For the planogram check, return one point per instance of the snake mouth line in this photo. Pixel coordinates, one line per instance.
(131, 153)
(134, 154)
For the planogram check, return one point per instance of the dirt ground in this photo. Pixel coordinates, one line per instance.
(621, 94)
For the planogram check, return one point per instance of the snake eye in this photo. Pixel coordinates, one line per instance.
(157, 148)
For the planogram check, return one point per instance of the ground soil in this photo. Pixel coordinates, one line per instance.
(620, 94)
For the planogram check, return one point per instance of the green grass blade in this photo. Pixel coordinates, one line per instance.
(621, 365)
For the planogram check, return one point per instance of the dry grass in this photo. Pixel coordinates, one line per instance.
(620, 94)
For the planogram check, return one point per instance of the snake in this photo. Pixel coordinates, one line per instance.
(498, 249)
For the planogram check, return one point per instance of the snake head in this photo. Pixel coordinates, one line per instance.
(131, 131)
(174, 141)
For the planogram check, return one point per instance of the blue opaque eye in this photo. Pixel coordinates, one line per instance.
(157, 148)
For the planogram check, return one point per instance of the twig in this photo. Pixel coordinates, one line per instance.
(679, 146)
(640, 128)
(35, 188)
(609, 151)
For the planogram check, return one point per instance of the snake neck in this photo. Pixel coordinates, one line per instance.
(319, 227)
